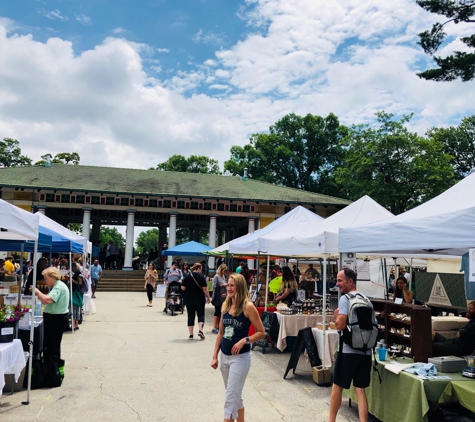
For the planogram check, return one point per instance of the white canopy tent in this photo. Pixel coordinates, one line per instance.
(445, 225)
(304, 236)
(58, 228)
(25, 224)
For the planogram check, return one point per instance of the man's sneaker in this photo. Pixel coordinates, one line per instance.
(165, 309)
(215, 331)
(201, 335)
(190, 337)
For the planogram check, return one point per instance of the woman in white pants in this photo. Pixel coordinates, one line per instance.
(238, 313)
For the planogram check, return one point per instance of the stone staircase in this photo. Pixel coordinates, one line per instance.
(124, 281)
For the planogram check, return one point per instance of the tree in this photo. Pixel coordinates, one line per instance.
(111, 233)
(147, 240)
(75, 227)
(10, 154)
(461, 64)
(459, 142)
(61, 158)
(182, 236)
(193, 164)
(395, 167)
(298, 152)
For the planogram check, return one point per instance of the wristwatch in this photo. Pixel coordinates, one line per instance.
(248, 341)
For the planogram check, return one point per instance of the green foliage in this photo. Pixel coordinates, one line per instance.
(111, 233)
(10, 154)
(459, 142)
(61, 158)
(395, 167)
(193, 164)
(75, 227)
(147, 240)
(298, 152)
(460, 64)
(182, 236)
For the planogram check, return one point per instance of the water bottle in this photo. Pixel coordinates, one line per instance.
(38, 308)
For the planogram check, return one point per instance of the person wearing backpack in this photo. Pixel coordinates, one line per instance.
(351, 364)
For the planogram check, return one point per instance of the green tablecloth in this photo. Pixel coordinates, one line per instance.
(403, 397)
(460, 391)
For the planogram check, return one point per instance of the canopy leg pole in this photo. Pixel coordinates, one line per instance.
(267, 283)
(410, 276)
(384, 270)
(324, 311)
(20, 277)
(71, 292)
(32, 326)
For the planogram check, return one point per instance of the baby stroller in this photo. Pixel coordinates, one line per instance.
(175, 300)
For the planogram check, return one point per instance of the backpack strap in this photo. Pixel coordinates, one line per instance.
(375, 367)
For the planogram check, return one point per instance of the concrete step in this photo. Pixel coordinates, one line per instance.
(124, 281)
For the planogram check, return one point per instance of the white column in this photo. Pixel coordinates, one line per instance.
(171, 236)
(251, 227)
(129, 241)
(212, 238)
(86, 222)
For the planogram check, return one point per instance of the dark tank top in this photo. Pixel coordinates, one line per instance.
(235, 328)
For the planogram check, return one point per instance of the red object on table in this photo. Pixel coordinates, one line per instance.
(260, 309)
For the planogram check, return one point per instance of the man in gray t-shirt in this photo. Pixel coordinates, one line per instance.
(351, 365)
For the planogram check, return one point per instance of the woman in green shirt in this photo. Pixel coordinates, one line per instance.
(55, 314)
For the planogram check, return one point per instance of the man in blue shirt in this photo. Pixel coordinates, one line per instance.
(96, 274)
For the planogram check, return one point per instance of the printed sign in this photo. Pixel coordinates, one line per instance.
(362, 269)
(7, 331)
(348, 260)
(438, 295)
(161, 288)
(471, 266)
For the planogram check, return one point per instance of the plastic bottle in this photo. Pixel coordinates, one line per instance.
(38, 309)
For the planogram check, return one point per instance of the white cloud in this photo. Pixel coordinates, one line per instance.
(53, 15)
(348, 57)
(163, 50)
(83, 19)
(208, 37)
(118, 30)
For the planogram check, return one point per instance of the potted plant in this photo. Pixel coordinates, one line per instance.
(9, 317)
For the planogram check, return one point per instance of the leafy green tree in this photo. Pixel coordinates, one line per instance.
(193, 164)
(111, 233)
(298, 152)
(75, 227)
(61, 158)
(461, 64)
(459, 142)
(10, 154)
(182, 236)
(147, 240)
(395, 167)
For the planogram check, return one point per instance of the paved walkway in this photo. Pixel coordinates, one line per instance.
(133, 363)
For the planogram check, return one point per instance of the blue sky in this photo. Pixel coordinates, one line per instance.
(130, 83)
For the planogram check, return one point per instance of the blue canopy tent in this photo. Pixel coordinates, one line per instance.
(187, 249)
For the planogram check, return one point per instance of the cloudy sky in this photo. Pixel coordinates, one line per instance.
(129, 83)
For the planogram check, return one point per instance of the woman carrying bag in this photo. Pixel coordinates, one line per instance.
(219, 295)
(196, 297)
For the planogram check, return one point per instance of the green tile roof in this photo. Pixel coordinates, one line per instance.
(153, 182)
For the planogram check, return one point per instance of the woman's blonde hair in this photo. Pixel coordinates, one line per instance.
(52, 272)
(241, 296)
(221, 269)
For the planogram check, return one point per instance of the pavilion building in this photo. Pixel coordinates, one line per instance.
(229, 206)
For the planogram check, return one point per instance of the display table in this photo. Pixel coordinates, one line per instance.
(291, 324)
(403, 397)
(331, 345)
(12, 361)
(460, 391)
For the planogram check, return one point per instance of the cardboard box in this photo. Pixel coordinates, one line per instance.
(321, 375)
(448, 364)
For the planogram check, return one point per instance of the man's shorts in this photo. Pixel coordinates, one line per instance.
(94, 282)
(352, 367)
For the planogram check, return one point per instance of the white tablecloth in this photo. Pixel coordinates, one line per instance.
(12, 361)
(291, 324)
(331, 345)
